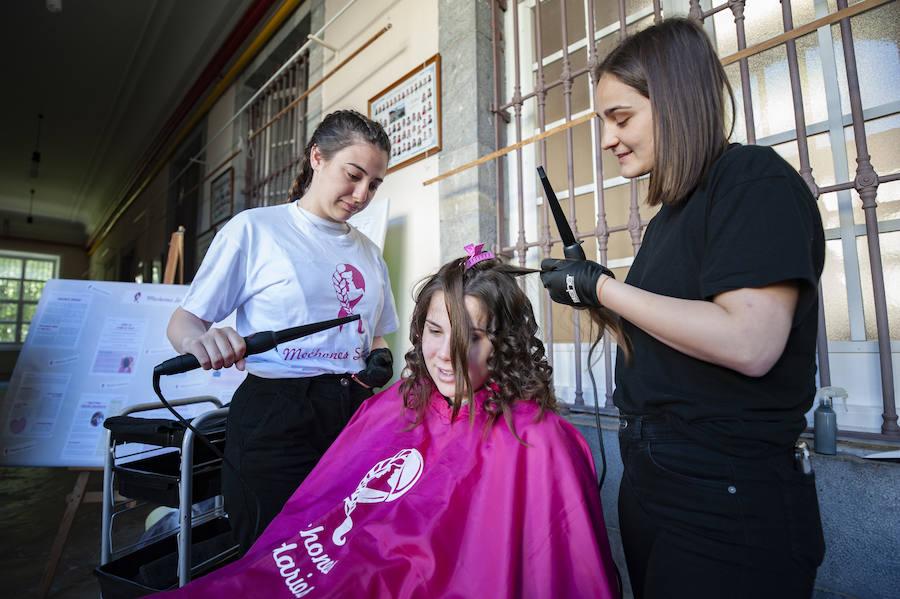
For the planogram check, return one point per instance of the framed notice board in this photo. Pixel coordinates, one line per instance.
(221, 197)
(410, 112)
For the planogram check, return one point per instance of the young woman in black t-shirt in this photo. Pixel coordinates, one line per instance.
(719, 311)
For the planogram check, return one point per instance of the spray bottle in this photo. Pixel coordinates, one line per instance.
(825, 420)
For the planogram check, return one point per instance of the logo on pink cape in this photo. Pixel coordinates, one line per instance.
(386, 481)
(349, 286)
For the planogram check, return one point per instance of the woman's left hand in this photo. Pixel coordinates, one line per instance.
(573, 282)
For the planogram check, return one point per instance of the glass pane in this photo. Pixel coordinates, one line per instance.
(725, 36)
(890, 256)
(618, 212)
(579, 96)
(875, 41)
(554, 109)
(820, 159)
(551, 20)
(802, 12)
(582, 157)
(39, 269)
(607, 44)
(762, 20)
(575, 26)
(10, 289)
(739, 132)
(834, 293)
(773, 107)
(812, 78)
(581, 85)
(883, 140)
(640, 24)
(883, 143)
(551, 36)
(24, 333)
(11, 267)
(31, 290)
(828, 208)
(28, 311)
(606, 14)
(7, 333)
(8, 311)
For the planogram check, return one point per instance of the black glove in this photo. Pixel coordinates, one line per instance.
(573, 282)
(379, 368)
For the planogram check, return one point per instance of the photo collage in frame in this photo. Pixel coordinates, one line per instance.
(409, 110)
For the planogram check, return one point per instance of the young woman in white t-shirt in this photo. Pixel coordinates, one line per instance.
(283, 266)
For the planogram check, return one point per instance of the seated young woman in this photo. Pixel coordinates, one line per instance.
(461, 480)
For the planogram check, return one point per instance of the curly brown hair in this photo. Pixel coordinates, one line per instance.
(518, 367)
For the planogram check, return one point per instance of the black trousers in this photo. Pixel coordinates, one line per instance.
(277, 431)
(699, 523)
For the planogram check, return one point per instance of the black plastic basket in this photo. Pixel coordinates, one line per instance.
(154, 567)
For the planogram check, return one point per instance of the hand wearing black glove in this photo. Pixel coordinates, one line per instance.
(573, 282)
(379, 368)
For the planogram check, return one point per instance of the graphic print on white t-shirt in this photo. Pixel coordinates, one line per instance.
(349, 286)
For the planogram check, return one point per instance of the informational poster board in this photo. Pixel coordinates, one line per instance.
(89, 354)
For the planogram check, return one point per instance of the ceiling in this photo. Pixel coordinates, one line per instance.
(106, 75)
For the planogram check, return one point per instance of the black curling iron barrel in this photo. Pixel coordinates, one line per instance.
(571, 248)
(256, 344)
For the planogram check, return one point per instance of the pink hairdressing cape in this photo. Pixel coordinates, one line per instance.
(440, 510)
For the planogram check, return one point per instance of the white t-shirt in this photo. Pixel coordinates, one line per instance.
(281, 267)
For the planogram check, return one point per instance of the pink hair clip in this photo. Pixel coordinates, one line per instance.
(476, 255)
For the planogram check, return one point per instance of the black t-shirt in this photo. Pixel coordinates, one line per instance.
(753, 223)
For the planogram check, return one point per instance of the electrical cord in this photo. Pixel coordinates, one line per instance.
(602, 450)
(213, 448)
(597, 418)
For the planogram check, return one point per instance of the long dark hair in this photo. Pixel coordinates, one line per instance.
(674, 65)
(518, 367)
(338, 130)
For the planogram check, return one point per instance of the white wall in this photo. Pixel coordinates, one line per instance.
(217, 149)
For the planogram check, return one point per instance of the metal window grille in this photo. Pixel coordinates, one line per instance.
(840, 105)
(277, 136)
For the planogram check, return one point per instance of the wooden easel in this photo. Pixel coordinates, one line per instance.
(175, 259)
(79, 495)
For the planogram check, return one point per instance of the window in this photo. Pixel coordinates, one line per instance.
(547, 84)
(22, 278)
(277, 136)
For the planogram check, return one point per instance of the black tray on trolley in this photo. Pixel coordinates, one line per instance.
(153, 568)
(157, 431)
(156, 479)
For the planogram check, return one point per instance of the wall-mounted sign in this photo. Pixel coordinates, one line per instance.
(221, 197)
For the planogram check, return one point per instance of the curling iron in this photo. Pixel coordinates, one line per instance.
(256, 344)
(572, 249)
